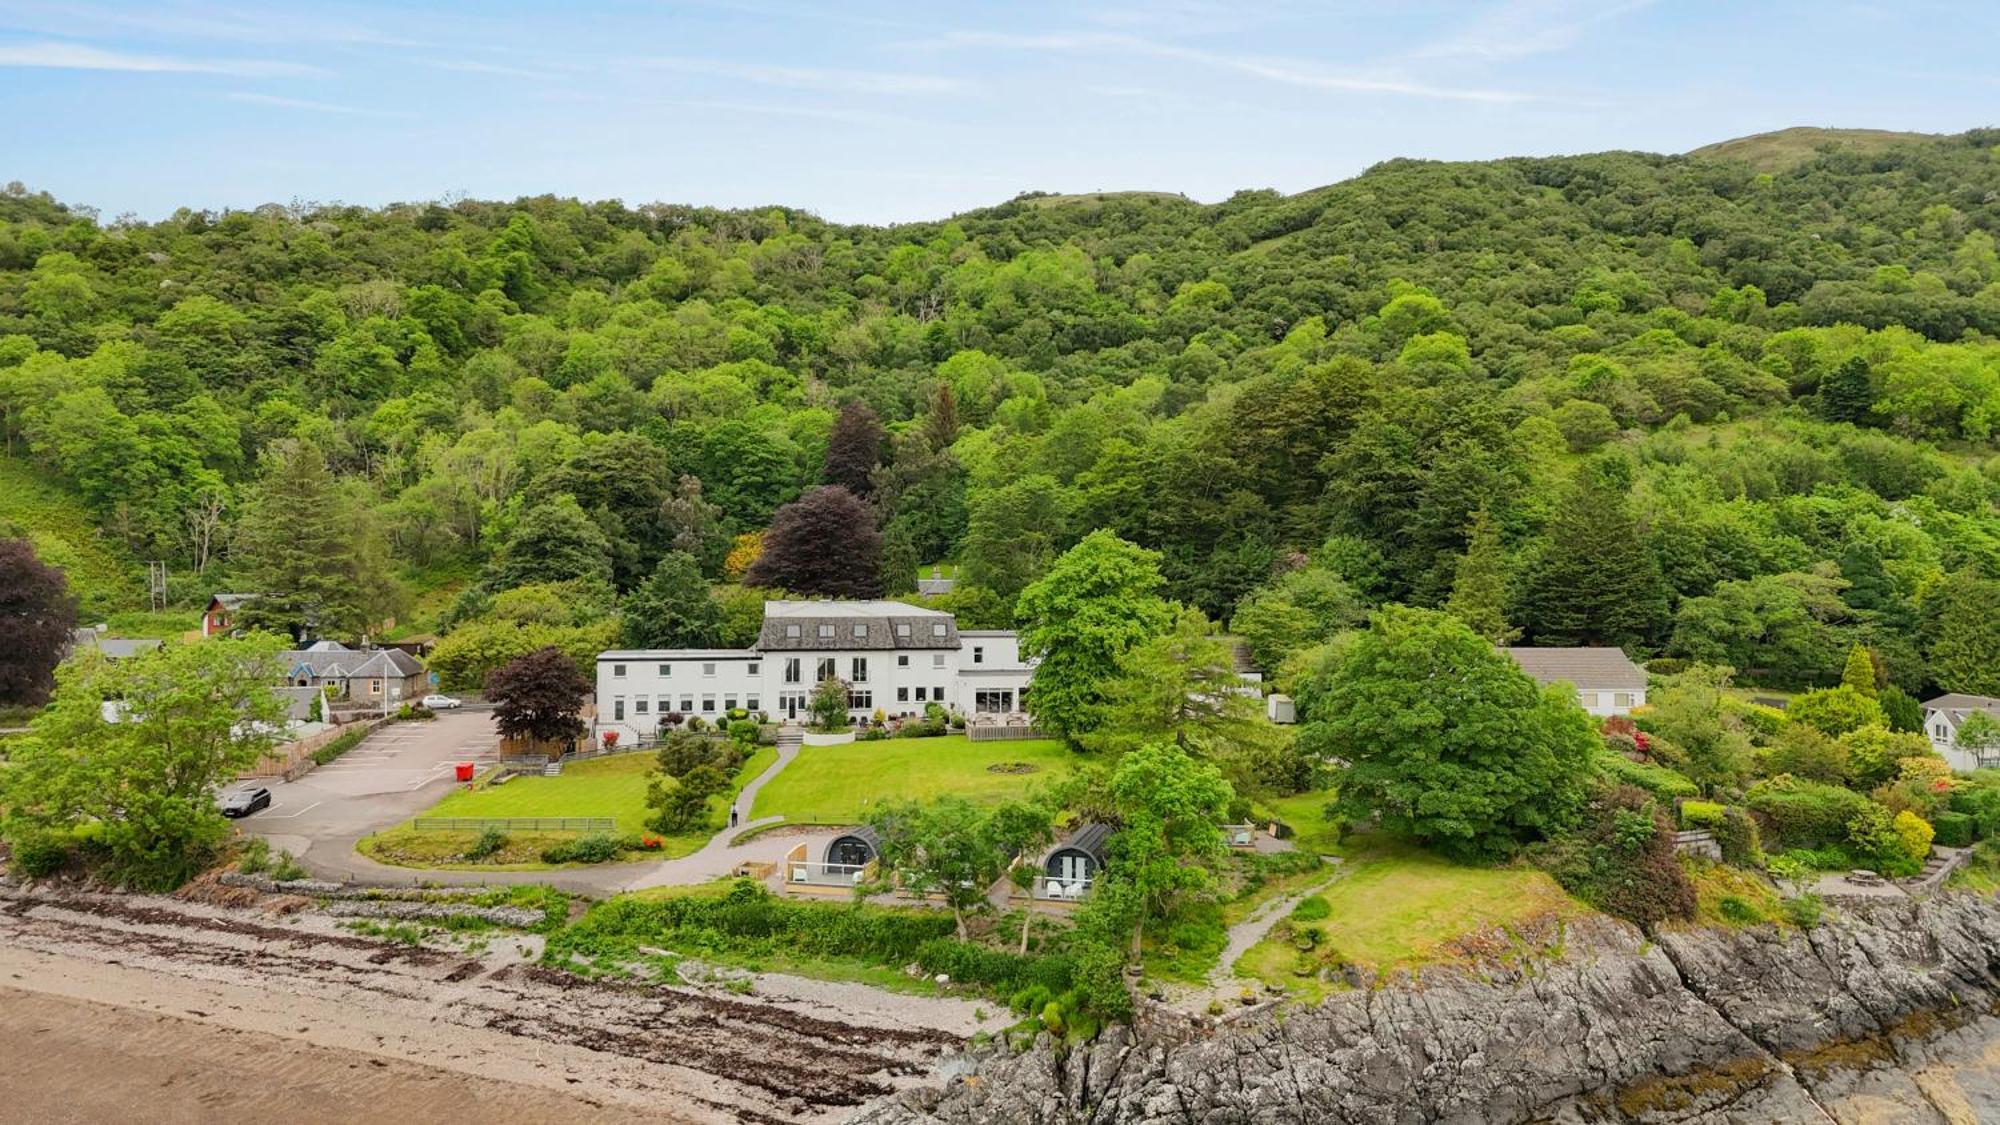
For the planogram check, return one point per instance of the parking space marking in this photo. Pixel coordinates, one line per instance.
(269, 815)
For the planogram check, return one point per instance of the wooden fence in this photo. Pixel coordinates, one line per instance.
(1001, 734)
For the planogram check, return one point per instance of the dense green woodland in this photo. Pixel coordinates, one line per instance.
(1672, 403)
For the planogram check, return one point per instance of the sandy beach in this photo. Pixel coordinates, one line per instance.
(124, 1006)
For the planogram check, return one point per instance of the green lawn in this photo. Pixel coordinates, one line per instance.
(1397, 905)
(837, 784)
(1305, 812)
(613, 787)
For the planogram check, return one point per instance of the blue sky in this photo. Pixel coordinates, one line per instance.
(875, 112)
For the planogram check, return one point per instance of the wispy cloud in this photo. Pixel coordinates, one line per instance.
(892, 83)
(475, 66)
(1515, 29)
(79, 56)
(1290, 72)
(810, 112)
(312, 106)
(199, 22)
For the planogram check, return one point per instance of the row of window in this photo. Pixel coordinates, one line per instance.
(858, 668)
(859, 630)
(667, 670)
(856, 701)
(1588, 699)
(643, 706)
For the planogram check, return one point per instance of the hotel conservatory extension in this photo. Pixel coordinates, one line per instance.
(895, 657)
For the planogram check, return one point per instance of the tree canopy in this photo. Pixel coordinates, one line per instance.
(1097, 602)
(1445, 738)
(37, 619)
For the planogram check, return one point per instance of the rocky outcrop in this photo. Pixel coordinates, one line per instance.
(1888, 1007)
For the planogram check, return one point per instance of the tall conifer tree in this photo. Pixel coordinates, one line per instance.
(1479, 593)
(1597, 582)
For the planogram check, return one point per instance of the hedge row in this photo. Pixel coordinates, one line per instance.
(1660, 781)
(753, 920)
(1003, 972)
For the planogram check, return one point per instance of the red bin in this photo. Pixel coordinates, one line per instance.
(465, 771)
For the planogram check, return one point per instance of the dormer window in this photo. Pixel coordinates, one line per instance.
(861, 632)
(937, 630)
(902, 628)
(826, 631)
(791, 630)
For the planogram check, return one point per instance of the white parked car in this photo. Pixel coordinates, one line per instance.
(440, 702)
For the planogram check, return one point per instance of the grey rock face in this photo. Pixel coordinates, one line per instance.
(1891, 1002)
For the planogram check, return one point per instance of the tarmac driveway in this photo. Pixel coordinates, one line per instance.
(398, 771)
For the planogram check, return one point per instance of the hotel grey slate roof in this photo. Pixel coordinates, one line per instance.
(1587, 668)
(882, 625)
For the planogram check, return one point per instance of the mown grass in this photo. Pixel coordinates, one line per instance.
(838, 784)
(1398, 906)
(1305, 813)
(613, 787)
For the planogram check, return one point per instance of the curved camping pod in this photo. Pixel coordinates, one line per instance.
(1072, 865)
(856, 847)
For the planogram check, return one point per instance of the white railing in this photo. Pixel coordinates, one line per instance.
(1053, 888)
(823, 874)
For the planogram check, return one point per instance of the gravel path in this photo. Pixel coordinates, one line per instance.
(337, 858)
(1223, 984)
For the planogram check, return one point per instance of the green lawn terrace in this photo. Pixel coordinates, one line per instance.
(613, 787)
(838, 785)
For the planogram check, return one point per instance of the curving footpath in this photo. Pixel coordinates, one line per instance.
(336, 858)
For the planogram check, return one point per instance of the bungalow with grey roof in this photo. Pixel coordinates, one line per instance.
(1605, 680)
(372, 677)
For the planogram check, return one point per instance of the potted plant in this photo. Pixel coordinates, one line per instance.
(610, 740)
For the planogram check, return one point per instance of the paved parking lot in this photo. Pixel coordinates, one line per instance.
(396, 772)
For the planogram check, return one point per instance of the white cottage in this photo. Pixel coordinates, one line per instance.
(1606, 681)
(895, 657)
(1944, 716)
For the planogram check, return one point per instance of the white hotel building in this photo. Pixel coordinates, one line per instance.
(896, 658)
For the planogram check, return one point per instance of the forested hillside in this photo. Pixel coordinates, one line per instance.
(1673, 403)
